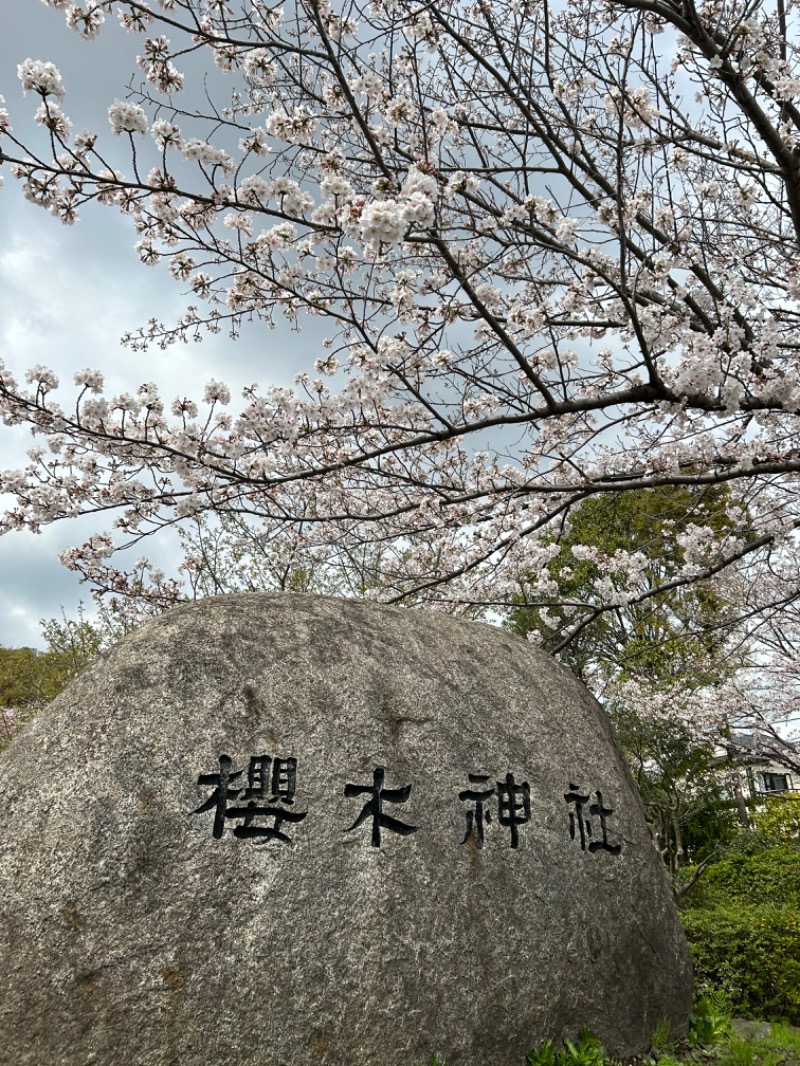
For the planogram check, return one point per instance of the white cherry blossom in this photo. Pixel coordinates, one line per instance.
(383, 223)
(86, 20)
(40, 77)
(126, 117)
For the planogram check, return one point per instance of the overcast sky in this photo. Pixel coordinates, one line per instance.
(68, 293)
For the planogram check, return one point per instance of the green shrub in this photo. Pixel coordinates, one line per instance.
(769, 875)
(750, 955)
(661, 1039)
(778, 818)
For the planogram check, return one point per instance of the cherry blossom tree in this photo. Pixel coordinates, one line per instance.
(556, 249)
(664, 637)
(223, 554)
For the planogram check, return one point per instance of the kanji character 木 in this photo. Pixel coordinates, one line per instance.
(374, 808)
(218, 800)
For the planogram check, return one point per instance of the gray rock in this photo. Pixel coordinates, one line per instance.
(748, 1029)
(335, 904)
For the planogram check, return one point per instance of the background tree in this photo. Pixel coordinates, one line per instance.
(29, 679)
(666, 662)
(684, 788)
(777, 818)
(16, 665)
(628, 549)
(224, 555)
(769, 694)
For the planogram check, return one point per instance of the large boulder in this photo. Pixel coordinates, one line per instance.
(287, 830)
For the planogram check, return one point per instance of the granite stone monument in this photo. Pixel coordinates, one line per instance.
(286, 830)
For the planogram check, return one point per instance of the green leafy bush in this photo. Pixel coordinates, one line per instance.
(750, 954)
(768, 875)
(778, 818)
(741, 1052)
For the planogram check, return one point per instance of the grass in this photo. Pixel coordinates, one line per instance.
(713, 1040)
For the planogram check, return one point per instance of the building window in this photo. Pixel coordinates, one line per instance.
(775, 782)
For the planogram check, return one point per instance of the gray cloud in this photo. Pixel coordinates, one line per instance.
(34, 586)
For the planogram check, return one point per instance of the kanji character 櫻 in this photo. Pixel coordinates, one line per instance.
(374, 808)
(579, 825)
(259, 800)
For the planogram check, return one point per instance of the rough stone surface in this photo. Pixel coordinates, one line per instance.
(130, 933)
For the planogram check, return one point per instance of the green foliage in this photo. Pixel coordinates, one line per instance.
(769, 876)
(750, 954)
(741, 1052)
(743, 926)
(667, 1059)
(745, 843)
(778, 818)
(72, 643)
(588, 1051)
(687, 806)
(711, 1039)
(757, 1045)
(29, 679)
(546, 1055)
(785, 1037)
(711, 823)
(16, 665)
(663, 637)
